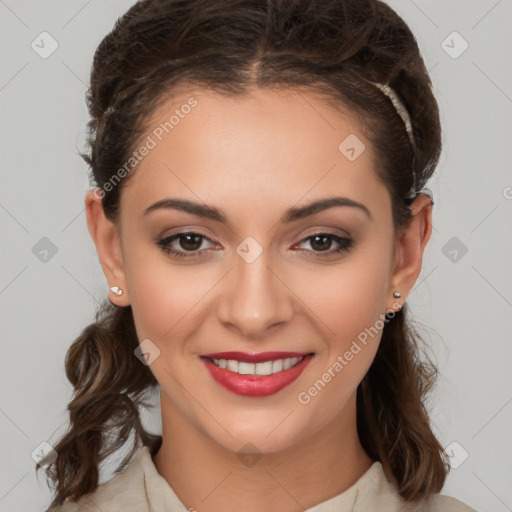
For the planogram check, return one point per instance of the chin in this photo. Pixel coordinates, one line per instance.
(245, 437)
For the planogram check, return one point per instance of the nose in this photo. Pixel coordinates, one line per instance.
(254, 299)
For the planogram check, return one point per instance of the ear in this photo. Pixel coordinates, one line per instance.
(108, 246)
(410, 245)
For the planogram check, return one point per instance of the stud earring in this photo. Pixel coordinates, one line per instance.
(397, 295)
(116, 290)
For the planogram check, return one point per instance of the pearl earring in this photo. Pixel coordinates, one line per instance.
(397, 295)
(116, 290)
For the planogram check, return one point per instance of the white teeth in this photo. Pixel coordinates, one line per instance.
(263, 368)
(266, 368)
(287, 363)
(232, 365)
(277, 366)
(246, 368)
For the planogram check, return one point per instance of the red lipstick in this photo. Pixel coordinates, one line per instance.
(255, 385)
(261, 357)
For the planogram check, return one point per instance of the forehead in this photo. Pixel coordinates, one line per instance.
(278, 145)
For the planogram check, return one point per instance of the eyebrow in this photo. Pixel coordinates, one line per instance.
(291, 215)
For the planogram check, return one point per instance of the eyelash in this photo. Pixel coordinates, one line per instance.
(346, 244)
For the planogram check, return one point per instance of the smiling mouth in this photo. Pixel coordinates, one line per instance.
(263, 363)
(262, 368)
(268, 375)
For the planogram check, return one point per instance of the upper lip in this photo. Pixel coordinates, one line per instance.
(254, 358)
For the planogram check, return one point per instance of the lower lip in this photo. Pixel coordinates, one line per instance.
(256, 385)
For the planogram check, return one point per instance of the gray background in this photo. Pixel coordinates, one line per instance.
(463, 299)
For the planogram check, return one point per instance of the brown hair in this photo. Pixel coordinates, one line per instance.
(333, 47)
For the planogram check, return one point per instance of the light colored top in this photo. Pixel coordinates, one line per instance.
(140, 488)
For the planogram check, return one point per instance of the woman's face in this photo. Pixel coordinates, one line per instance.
(254, 278)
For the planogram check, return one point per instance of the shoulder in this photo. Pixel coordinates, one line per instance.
(379, 493)
(124, 492)
(442, 503)
(392, 502)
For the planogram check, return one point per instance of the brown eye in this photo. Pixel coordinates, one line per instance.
(190, 241)
(321, 244)
(184, 244)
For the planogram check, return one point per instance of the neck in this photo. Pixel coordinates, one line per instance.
(209, 478)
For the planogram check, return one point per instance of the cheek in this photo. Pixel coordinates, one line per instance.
(347, 309)
(163, 296)
(345, 299)
(346, 303)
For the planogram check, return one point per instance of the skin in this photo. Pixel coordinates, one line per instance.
(253, 158)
